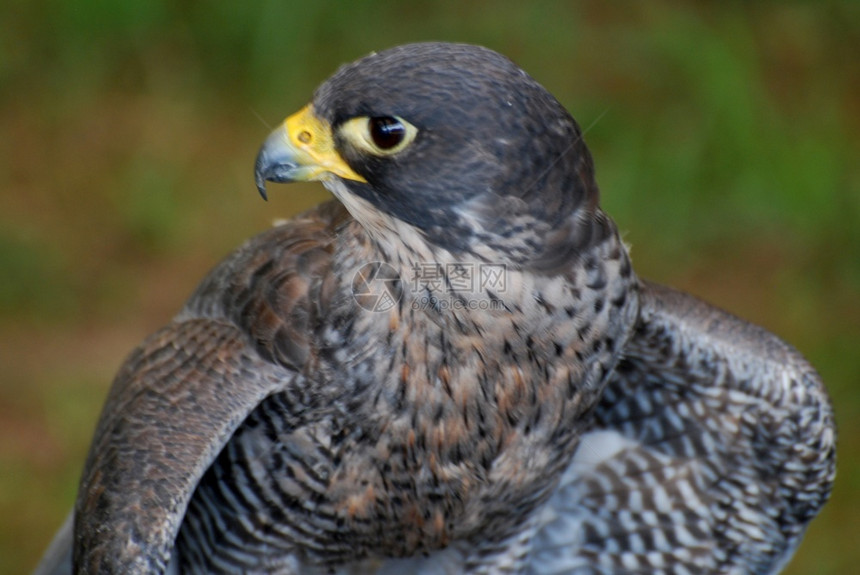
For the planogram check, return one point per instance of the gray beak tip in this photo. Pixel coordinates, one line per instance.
(276, 162)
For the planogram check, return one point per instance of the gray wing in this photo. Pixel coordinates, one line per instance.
(181, 395)
(712, 449)
(174, 404)
(57, 559)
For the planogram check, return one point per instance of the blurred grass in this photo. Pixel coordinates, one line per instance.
(726, 137)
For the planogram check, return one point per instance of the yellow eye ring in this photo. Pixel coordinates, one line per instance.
(379, 135)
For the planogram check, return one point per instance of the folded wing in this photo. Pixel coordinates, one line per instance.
(181, 395)
(712, 449)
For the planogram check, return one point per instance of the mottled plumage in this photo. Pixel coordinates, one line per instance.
(565, 418)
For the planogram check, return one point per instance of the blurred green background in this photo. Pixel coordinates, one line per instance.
(726, 137)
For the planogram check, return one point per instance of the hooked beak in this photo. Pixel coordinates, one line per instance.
(301, 149)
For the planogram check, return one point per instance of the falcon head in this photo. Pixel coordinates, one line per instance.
(453, 140)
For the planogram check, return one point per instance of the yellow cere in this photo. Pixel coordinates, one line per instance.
(312, 136)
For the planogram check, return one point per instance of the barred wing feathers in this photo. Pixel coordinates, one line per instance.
(711, 450)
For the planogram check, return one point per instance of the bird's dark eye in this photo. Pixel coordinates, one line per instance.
(378, 135)
(387, 132)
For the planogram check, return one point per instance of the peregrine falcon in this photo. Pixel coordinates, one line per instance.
(451, 368)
